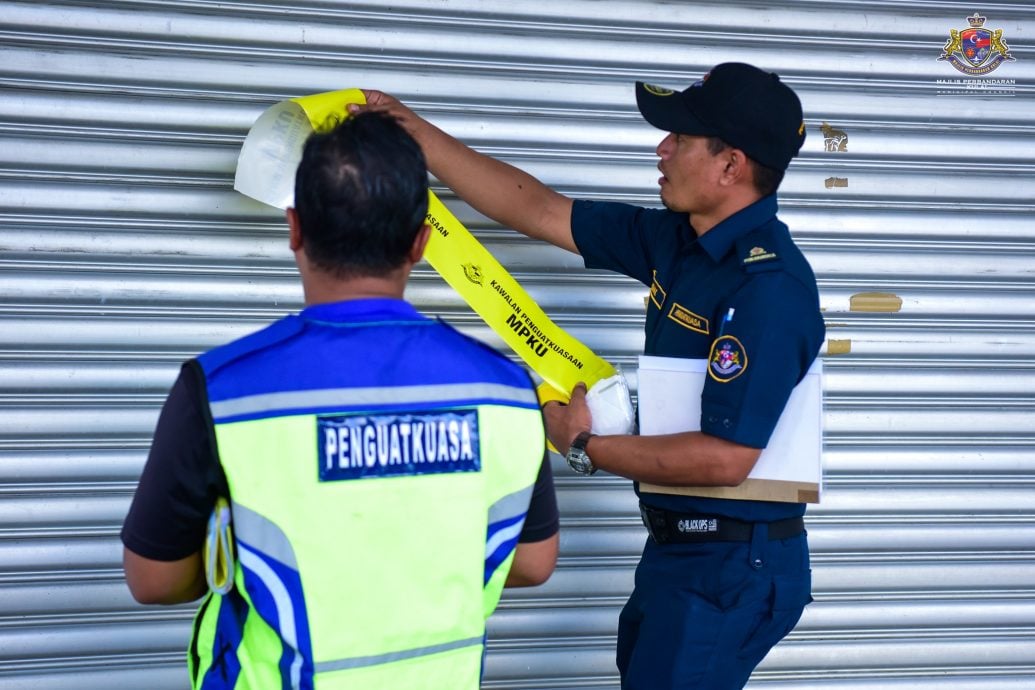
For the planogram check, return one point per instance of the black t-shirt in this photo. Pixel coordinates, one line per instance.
(169, 515)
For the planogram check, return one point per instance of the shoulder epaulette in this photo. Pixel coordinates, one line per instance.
(758, 253)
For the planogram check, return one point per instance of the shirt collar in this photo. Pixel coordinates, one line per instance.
(718, 241)
(369, 309)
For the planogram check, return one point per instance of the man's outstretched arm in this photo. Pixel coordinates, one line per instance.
(495, 189)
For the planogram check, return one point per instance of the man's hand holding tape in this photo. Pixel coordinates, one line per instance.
(670, 460)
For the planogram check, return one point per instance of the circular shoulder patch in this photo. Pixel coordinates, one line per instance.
(658, 90)
(727, 360)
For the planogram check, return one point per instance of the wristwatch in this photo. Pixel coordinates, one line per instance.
(577, 458)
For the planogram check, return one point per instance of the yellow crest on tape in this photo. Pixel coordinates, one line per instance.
(266, 171)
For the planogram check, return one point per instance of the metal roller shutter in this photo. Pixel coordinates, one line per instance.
(124, 250)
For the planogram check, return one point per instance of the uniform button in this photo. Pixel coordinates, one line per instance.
(726, 422)
(713, 419)
(757, 563)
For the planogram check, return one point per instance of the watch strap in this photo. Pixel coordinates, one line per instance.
(581, 440)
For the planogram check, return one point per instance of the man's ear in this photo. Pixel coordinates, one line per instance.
(419, 243)
(736, 168)
(294, 229)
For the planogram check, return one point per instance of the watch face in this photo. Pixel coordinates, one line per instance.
(579, 461)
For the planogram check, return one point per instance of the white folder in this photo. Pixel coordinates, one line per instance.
(790, 468)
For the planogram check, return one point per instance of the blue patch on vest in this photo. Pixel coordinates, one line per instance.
(391, 445)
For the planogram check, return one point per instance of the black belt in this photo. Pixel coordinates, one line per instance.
(666, 526)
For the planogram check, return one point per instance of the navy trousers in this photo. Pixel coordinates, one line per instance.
(702, 616)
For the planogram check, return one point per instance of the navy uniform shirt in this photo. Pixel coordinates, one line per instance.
(741, 296)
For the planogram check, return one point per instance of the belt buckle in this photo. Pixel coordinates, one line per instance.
(659, 532)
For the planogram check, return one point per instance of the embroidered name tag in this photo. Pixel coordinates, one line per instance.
(686, 318)
(390, 445)
(657, 294)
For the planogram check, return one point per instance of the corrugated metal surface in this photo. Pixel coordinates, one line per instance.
(123, 250)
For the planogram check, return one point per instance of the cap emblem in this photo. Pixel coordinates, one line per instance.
(658, 90)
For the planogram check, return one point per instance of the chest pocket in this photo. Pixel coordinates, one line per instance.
(683, 316)
(679, 321)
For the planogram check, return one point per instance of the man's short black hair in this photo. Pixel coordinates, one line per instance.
(361, 194)
(765, 180)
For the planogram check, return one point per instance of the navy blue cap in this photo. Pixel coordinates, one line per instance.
(748, 108)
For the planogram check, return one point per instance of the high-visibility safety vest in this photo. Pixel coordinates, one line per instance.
(380, 466)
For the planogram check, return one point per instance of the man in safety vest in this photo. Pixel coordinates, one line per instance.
(720, 581)
(385, 473)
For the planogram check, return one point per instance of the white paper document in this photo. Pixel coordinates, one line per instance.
(789, 468)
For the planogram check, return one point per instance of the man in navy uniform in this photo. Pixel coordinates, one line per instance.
(727, 284)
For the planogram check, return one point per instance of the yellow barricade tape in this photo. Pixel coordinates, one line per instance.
(476, 275)
(266, 172)
(325, 110)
